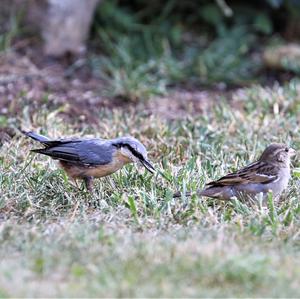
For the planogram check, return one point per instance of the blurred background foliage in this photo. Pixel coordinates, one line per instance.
(147, 46)
(141, 48)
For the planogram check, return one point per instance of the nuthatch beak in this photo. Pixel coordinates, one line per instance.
(89, 158)
(148, 166)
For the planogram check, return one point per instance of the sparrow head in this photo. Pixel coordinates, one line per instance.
(134, 150)
(278, 153)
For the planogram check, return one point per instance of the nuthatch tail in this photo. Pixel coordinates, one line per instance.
(89, 158)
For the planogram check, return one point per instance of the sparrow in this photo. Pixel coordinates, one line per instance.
(270, 173)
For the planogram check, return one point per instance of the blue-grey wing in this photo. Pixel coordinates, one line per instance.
(86, 152)
(95, 153)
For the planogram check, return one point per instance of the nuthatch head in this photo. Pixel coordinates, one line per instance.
(89, 158)
(133, 149)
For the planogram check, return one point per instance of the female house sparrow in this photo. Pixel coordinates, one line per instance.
(270, 173)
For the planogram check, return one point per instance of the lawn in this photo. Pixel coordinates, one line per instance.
(130, 238)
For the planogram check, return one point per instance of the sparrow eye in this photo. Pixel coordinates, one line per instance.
(287, 149)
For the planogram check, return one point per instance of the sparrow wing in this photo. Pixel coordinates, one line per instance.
(257, 172)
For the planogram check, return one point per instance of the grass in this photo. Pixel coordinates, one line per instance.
(225, 59)
(130, 238)
(9, 31)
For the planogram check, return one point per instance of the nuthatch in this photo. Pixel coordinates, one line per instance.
(89, 158)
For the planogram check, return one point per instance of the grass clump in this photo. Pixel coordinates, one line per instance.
(10, 27)
(145, 50)
(6, 38)
(224, 60)
(137, 62)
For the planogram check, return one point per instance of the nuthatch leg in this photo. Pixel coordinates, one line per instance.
(89, 158)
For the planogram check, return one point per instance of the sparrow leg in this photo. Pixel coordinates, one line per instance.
(88, 181)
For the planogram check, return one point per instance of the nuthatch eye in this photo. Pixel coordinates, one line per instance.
(89, 158)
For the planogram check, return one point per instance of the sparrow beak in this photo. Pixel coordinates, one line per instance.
(148, 166)
(292, 152)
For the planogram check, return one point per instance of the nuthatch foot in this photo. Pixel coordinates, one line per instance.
(89, 158)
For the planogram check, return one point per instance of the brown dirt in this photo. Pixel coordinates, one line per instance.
(51, 84)
(180, 103)
(27, 79)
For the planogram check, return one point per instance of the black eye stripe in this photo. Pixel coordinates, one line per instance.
(133, 151)
(137, 154)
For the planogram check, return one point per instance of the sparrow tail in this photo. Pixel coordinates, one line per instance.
(205, 192)
(179, 194)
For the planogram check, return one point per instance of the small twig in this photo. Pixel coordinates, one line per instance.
(225, 8)
(74, 212)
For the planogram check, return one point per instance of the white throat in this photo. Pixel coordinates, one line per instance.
(126, 152)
